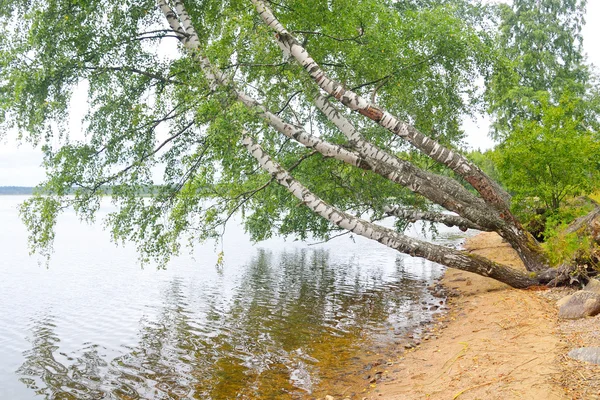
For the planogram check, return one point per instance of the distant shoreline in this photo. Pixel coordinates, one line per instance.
(16, 190)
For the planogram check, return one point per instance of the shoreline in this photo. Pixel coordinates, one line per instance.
(494, 342)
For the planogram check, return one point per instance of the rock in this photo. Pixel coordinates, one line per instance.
(579, 305)
(593, 286)
(587, 354)
(328, 397)
(563, 301)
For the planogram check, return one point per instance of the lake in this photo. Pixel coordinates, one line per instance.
(279, 320)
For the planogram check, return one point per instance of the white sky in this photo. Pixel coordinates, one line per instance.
(20, 164)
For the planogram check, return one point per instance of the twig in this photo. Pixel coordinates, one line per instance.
(330, 238)
(457, 395)
(352, 39)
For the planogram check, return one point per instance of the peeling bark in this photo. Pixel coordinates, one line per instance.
(511, 229)
(404, 244)
(431, 216)
(441, 190)
(489, 190)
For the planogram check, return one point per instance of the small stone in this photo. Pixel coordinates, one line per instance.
(329, 397)
(587, 354)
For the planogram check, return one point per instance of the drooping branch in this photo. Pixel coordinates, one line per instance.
(440, 190)
(449, 220)
(488, 189)
(139, 161)
(218, 78)
(512, 230)
(388, 237)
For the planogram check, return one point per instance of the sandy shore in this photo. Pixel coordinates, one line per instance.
(495, 343)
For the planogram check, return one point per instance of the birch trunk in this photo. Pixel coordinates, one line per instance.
(446, 192)
(440, 190)
(523, 242)
(404, 244)
(488, 189)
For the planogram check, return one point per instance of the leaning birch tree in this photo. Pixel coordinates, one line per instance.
(305, 117)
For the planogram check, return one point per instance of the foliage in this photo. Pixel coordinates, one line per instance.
(544, 101)
(540, 53)
(564, 246)
(553, 158)
(150, 108)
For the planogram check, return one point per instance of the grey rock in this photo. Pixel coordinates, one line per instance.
(579, 305)
(587, 354)
(563, 301)
(593, 286)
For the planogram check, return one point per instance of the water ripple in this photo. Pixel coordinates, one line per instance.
(276, 322)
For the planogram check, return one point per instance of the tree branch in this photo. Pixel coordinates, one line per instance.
(352, 39)
(488, 189)
(388, 237)
(412, 215)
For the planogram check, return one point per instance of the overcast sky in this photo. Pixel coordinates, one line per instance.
(20, 165)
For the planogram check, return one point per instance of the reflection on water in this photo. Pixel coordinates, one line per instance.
(280, 321)
(294, 322)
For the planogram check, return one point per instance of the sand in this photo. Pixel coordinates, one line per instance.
(496, 343)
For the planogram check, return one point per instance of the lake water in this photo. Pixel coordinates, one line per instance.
(279, 320)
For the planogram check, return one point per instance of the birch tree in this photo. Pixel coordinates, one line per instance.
(312, 118)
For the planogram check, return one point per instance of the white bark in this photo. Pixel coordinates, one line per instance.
(441, 190)
(511, 229)
(181, 23)
(412, 215)
(436, 253)
(218, 78)
(399, 171)
(488, 189)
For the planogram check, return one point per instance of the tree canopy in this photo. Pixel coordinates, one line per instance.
(306, 119)
(544, 100)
